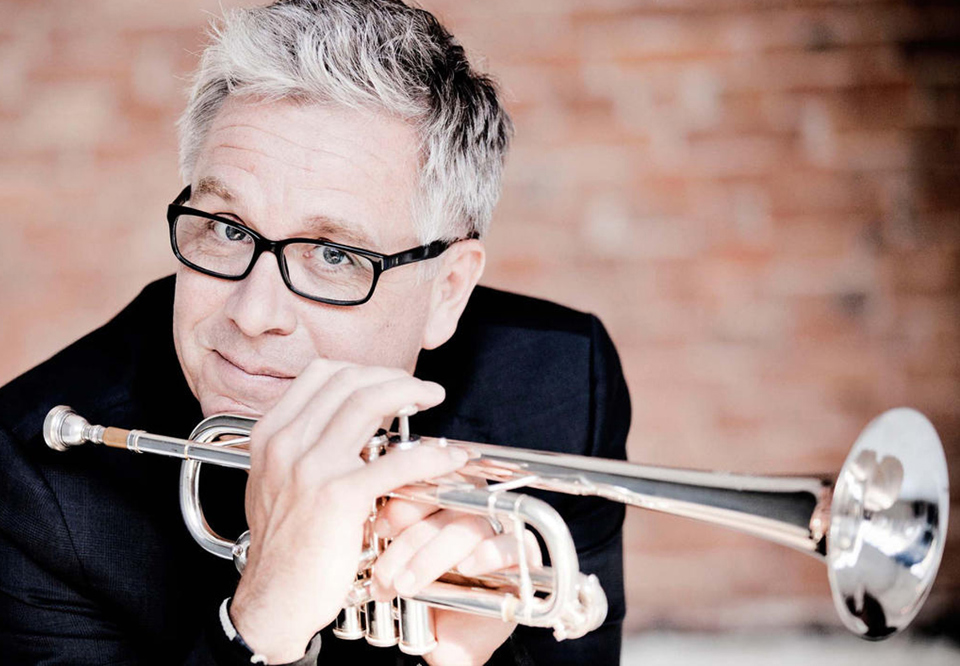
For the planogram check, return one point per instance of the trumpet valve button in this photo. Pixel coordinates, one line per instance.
(398, 442)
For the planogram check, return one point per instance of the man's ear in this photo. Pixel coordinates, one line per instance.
(460, 270)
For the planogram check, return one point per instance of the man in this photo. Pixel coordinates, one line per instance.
(342, 162)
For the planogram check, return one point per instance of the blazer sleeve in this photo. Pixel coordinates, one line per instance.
(48, 614)
(596, 524)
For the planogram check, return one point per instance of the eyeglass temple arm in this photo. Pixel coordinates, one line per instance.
(434, 249)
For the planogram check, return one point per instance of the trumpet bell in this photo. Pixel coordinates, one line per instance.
(888, 524)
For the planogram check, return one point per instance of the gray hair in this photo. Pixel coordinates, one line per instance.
(379, 55)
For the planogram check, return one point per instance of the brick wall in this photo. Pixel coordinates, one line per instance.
(761, 200)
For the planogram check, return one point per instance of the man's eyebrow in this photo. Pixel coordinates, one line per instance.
(322, 226)
(212, 185)
(316, 226)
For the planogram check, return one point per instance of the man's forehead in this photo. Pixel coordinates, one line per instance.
(291, 169)
(307, 132)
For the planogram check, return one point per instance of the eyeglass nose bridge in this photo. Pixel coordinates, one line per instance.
(261, 303)
(263, 245)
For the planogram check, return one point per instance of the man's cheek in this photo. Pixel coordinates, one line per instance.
(188, 315)
(198, 298)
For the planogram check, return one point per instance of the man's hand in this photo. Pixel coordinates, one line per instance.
(309, 495)
(426, 544)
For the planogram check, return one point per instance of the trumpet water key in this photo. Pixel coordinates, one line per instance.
(879, 525)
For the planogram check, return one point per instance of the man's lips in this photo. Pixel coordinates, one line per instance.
(253, 369)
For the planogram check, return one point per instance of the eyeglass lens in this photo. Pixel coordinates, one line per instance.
(315, 270)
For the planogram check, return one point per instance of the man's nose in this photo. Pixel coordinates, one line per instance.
(261, 302)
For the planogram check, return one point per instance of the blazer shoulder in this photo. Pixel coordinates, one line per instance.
(495, 307)
(93, 372)
(521, 370)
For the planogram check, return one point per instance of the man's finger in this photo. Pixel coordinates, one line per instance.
(398, 514)
(500, 552)
(360, 414)
(297, 395)
(399, 468)
(453, 543)
(322, 404)
(398, 554)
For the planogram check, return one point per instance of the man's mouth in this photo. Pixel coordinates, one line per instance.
(253, 368)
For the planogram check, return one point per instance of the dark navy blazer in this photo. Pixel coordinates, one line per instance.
(96, 566)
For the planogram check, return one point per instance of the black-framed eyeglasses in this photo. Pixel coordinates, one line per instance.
(317, 269)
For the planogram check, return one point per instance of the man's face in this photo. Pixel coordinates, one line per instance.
(288, 170)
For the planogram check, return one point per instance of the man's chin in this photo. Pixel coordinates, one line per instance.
(226, 405)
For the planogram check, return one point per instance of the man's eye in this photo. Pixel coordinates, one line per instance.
(228, 232)
(335, 257)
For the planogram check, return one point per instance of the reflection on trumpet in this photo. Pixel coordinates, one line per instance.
(880, 527)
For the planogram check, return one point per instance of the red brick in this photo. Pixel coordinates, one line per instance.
(758, 199)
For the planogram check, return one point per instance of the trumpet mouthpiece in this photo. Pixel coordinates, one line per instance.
(63, 428)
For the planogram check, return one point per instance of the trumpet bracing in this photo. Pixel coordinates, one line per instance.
(879, 526)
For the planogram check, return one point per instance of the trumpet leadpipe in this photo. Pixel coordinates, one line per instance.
(63, 428)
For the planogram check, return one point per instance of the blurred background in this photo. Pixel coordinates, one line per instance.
(759, 198)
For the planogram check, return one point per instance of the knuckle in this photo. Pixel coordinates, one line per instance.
(358, 400)
(394, 512)
(336, 490)
(397, 374)
(301, 473)
(421, 532)
(368, 400)
(410, 511)
(315, 371)
(275, 451)
(321, 371)
(307, 477)
(398, 552)
(490, 553)
(471, 527)
(354, 375)
(259, 438)
(283, 438)
(346, 375)
(320, 366)
(259, 430)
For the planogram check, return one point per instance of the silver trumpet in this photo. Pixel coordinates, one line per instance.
(879, 526)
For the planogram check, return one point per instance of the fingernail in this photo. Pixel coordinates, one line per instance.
(458, 456)
(468, 566)
(404, 583)
(378, 592)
